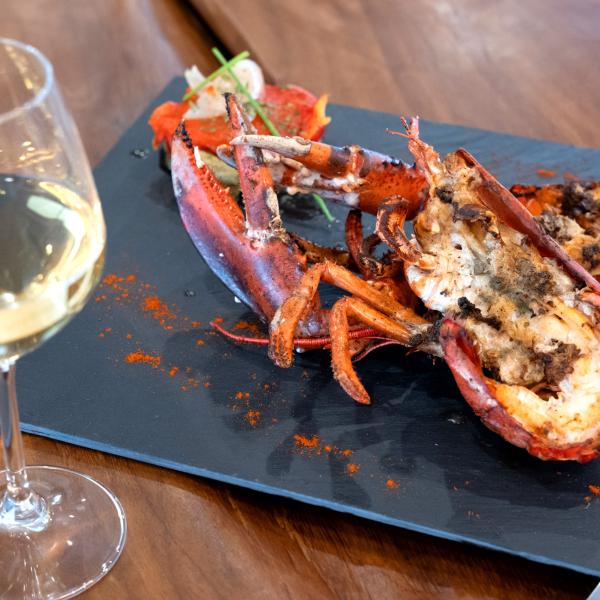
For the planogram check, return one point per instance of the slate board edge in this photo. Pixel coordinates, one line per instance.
(312, 500)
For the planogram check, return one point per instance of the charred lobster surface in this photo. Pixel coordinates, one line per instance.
(480, 284)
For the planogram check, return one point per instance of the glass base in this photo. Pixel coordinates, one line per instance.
(75, 544)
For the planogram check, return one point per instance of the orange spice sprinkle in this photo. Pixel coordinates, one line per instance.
(199, 342)
(391, 484)
(173, 371)
(131, 279)
(158, 309)
(327, 448)
(352, 468)
(306, 442)
(195, 324)
(140, 357)
(252, 416)
(110, 279)
(252, 327)
(101, 298)
(595, 489)
(347, 452)
(546, 173)
(129, 336)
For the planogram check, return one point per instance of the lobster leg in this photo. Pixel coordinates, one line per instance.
(384, 272)
(361, 249)
(315, 253)
(341, 356)
(351, 175)
(285, 321)
(391, 216)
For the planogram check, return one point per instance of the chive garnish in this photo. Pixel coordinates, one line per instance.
(321, 204)
(244, 90)
(226, 68)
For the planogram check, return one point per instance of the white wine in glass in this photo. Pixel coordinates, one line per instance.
(60, 531)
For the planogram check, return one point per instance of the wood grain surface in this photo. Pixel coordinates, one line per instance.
(524, 67)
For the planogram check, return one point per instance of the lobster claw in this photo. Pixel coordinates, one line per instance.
(354, 176)
(251, 253)
(498, 405)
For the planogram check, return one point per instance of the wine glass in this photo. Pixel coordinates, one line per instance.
(60, 531)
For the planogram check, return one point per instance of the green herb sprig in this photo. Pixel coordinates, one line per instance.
(227, 68)
(224, 69)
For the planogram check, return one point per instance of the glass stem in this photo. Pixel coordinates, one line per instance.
(21, 509)
(12, 442)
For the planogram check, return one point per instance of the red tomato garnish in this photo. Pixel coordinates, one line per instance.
(292, 109)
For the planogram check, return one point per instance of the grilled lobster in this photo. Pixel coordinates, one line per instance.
(480, 284)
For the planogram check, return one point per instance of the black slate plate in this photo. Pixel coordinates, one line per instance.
(417, 458)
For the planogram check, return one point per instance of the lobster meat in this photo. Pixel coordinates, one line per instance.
(571, 214)
(481, 284)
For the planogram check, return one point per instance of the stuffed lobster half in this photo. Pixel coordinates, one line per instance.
(480, 284)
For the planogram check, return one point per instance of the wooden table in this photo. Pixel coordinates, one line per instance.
(522, 67)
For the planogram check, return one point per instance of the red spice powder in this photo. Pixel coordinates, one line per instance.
(173, 371)
(347, 452)
(306, 442)
(158, 310)
(252, 327)
(111, 279)
(352, 468)
(252, 416)
(391, 484)
(546, 173)
(595, 489)
(199, 342)
(140, 357)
